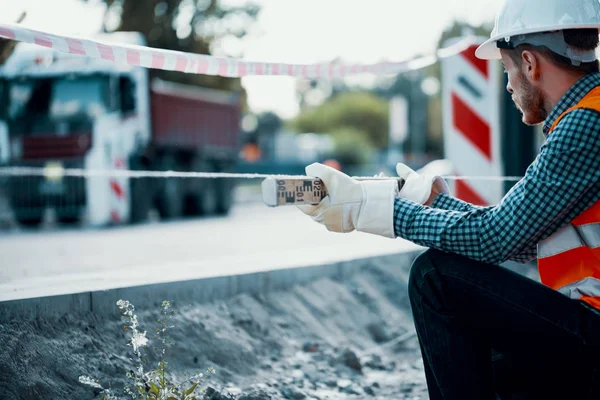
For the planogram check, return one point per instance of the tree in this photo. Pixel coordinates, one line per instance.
(360, 111)
(462, 28)
(352, 146)
(195, 26)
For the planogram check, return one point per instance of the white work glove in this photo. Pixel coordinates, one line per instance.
(418, 187)
(365, 206)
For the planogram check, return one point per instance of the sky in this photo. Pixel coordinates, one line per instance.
(297, 31)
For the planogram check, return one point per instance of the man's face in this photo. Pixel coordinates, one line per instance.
(528, 98)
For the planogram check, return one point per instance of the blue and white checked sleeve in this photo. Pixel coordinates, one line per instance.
(560, 184)
(446, 202)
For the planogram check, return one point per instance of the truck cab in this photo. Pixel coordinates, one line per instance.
(62, 111)
(89, 115)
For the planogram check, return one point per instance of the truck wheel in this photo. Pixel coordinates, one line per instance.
(30, 222)
(225, 190)
(68, 219)
(28, 219)
(171, 194)
(207, 198)
(202, 193)
(170, 199)
(140, 200)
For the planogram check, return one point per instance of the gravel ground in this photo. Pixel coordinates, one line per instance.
(324, 340)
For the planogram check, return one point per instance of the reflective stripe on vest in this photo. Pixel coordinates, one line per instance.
(589, 287)
(570, 237)
(569, 260)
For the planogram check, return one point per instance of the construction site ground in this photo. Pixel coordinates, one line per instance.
(280, 329)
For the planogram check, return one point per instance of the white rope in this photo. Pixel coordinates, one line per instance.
(86, 173)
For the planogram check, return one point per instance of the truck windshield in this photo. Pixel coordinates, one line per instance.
(58, 98)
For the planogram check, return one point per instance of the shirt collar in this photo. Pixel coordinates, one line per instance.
(571, 98)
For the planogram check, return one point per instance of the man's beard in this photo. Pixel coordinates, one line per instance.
(531, 103)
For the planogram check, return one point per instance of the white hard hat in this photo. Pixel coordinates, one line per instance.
(524, 17)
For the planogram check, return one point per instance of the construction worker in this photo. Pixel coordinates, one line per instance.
(486, 332)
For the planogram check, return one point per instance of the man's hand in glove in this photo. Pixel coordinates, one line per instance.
(421, 189)
(365, 206)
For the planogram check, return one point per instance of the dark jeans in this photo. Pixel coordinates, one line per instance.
(486, 331)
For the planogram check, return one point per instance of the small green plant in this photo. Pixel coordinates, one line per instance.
(155, 384)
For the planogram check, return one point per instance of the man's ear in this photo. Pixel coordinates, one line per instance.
(530, 65)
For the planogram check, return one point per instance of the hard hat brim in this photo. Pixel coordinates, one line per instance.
(488, 50)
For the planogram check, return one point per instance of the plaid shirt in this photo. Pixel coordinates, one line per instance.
(562, 182)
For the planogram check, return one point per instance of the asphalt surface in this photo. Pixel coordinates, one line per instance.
(252, 238)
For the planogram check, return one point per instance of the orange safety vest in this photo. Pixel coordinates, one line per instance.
(569, 260)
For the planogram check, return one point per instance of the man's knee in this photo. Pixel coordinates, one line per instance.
(426, 284)
(423, 265)
(428, 268)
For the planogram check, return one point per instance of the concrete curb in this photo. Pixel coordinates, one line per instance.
(102, 303)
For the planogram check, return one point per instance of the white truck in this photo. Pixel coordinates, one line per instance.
(59, 111)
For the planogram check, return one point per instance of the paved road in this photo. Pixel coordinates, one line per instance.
(253, 238)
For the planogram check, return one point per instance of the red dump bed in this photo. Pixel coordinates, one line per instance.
(188, 117)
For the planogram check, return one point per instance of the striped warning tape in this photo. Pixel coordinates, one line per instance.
(209, 65)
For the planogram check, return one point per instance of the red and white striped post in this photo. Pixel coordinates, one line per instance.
(471, 112)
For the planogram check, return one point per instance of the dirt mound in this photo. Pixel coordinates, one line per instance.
(324, 340)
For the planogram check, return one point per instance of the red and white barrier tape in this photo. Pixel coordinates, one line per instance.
(86, 173)
(209, 65)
